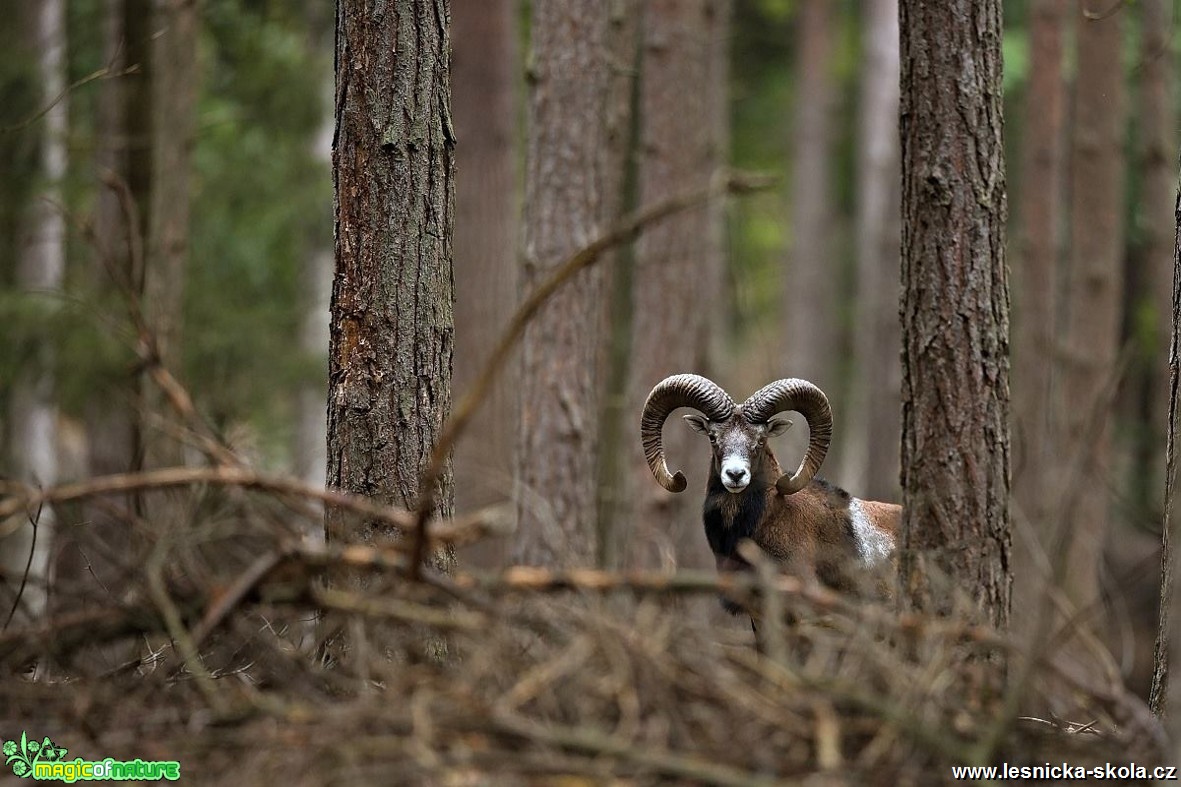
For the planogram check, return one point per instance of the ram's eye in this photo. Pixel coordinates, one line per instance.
(713, 438)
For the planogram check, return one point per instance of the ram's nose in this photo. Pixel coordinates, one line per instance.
(735, 478)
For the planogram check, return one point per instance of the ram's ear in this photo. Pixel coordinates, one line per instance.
(777, 426)
(697, 423)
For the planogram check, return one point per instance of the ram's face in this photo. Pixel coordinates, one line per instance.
(739, 446)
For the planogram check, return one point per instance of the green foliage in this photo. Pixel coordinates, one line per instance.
(261, 202)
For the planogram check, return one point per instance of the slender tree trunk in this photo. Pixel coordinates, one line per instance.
(671, 329)
(173, 65)
(1036, 274)
(872, 423)
(570, 190)
(1092, 302)
(311, 426)
(1157, 148)
(486, 68)
(955, 310)
(1167, 640)
(109, 413)
(812, 325)
(391, 319)
(39, 273)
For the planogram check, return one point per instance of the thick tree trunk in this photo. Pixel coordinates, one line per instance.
(391, 319)
(39, 273)
(871, 435)
(1036, 276)
(486, 72)
(955, 310)
(812, 321)
(671, 326)
(1092, 302)
(570, 188)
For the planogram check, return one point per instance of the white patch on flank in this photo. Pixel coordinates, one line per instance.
(873, 545)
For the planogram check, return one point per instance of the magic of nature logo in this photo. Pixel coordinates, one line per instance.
(46, 761)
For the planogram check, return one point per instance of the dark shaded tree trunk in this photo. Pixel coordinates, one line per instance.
(391, 317)
(671, 284)
(812, 321)
(1036, 275)
(572, 189)
(871, 435)
(955, 537)
(486, 71)
(1093, 297)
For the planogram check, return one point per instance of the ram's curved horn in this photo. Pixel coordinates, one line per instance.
(681, 390)
(810, 402)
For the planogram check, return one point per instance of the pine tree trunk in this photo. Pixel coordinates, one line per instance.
(39, 276)
(671, 328)
(173, 104)
(1157, 149)
(1092, 302)
(812, 327)
(1167, 640)
(109, 413)
(955, 537)
(486, 71)
(1035, 275)
(871, 435)
(391, 318)
(570, 190)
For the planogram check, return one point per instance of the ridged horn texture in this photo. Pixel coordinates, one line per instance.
(680, 390)
(810, 402)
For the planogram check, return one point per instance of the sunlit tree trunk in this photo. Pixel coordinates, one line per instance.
(1090, 344)
(569, 191)
(955, 539)
(391, 317)
(871, 434)
(1040, 219)
(812, 327)
(671, 286)
(39, 273)
(486, 66)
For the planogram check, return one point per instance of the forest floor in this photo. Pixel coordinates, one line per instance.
(250, 654)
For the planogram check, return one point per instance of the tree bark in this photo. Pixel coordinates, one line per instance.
(1167, 640)
(39, 275)
(570, 190)
(955, 310)
(486, 67)
(391, 317)
(1090, 343)
(1157, 148)
(872, 430)
(172, 66)
(812, 327)
(1036, 275)
(671, 284)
